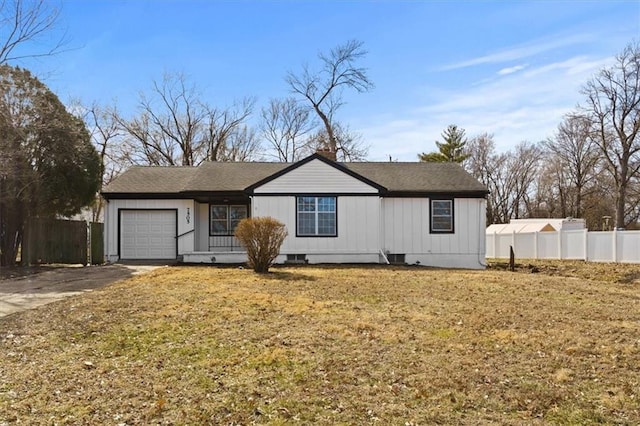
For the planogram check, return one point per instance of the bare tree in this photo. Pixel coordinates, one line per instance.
(25, 24)
(286, 125)
(223, 126)
(351, 147)
(509, 176)
(323, 88)
(524, 165)
(573, 158)
(242, 144)
(482, 163)
(175, 126)
(613, 106)
(166, 131)
(106, 135)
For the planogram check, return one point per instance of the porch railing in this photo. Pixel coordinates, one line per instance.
(225, 243)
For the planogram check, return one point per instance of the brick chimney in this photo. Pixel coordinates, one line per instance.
(326, 152)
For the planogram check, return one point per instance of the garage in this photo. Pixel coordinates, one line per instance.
(148, 234)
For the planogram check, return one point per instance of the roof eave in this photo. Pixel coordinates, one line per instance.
(437, 193)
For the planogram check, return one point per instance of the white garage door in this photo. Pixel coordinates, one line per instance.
(148, 234)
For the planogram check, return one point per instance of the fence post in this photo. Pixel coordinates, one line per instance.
(586, 244)
(495, 244)
(535, 245)
(512, 259)
(560, 244)
(615, 245)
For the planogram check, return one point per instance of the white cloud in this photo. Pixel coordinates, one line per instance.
(522, 51)
(520, 106)
(511, 70)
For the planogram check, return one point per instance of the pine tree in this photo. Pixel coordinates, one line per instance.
(451, 150)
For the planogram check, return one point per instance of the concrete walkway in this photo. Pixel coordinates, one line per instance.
(30, 291)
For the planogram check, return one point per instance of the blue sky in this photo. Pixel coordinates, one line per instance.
(511, 68)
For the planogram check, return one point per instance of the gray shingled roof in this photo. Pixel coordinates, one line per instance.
(219, 176)
(420, 177)
(216, 176)
(151, 180)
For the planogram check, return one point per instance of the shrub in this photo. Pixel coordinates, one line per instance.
(262, 237)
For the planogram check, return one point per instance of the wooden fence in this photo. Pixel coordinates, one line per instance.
(612, 246)
(62, 241)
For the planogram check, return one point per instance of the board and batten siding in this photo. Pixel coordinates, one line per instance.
(315, 177)
(202, 227)
(358, 226)
(111, 237)
(405, 230)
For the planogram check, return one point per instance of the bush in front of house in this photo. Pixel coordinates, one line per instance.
(262, 237)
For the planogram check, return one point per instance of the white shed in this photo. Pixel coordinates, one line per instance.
(537, 225)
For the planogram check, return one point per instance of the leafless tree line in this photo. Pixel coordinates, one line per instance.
(590, 167)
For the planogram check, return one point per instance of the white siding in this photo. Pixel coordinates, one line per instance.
(315, 177)
(405, 230)
(185, 243)
(358, 226)
(202, 227)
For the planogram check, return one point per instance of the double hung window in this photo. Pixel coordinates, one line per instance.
(225, 218)
(316, 216)
(441, 216)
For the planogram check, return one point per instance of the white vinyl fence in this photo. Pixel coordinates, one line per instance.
(614, 246)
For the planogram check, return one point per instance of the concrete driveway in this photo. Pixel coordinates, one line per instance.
(30, 291)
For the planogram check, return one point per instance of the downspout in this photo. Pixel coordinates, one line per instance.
(381, 231)
(384, 256)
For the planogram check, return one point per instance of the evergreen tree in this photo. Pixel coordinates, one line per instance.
(451, 150)
(48, 166)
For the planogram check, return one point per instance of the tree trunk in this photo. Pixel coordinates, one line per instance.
(333, 144)
(10, 234)
(620, 202)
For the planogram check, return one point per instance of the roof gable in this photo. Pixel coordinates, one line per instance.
(316, 174)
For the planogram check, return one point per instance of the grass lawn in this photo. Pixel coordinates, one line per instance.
(323, 345)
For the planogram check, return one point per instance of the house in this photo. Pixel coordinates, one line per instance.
(429, 214)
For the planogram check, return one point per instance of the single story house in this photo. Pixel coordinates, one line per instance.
(430, 214)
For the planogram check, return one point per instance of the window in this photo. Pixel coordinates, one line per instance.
(316, 216)
(224, 219)
(442, 216)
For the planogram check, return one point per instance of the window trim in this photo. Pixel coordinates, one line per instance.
(335, 212)
(431, 216)
(228, 207)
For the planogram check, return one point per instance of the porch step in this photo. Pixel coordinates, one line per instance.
(230, 257)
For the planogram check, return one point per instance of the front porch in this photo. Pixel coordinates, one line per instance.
(219, 249)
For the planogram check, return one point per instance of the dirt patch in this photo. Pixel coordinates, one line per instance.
(595, 271)
(13, 272)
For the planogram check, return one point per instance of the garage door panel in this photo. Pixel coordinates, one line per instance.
(148, 234)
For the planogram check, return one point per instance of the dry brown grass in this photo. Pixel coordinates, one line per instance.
(320, 345)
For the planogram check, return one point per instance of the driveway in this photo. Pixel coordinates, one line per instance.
(30, 291)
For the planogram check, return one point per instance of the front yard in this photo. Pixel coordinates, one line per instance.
(321, 345)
